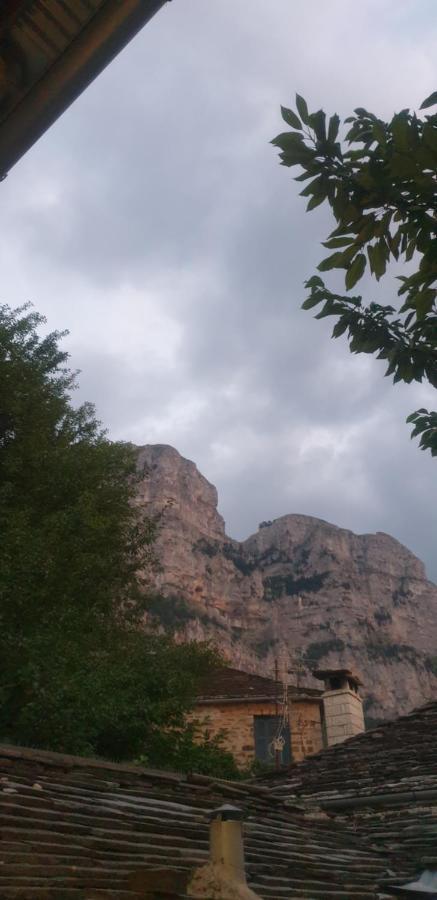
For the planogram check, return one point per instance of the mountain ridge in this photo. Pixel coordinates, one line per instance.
(299, 588)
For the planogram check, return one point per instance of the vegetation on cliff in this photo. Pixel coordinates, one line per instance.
(77, 673)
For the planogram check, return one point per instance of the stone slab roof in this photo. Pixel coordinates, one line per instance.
(394, 758)
(79, 829)
(228, 684)
(382, 783)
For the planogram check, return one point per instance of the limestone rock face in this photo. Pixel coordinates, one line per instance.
(300, 589)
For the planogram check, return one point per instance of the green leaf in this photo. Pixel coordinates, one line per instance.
(339, 329)
(393, 242)
(424, 303)
(430, 136)
(302, 109)
(288, 139)
(330, 309)
(379, 133)
(313, 187)
(338, 242)
(403, 166)
(290, 117)
(430, 101)
(335, 261)
(401, 132)
(426, 158)
(356, 271)
(311, 301)
(410, 250)
(334, 123)
(315, 201)
(365, 180)
(314, 281)
(309, 174)
(317, 121)
(377, 259)
(291, 158)
(382, 226)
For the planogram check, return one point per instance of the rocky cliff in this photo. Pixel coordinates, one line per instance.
(299, 589)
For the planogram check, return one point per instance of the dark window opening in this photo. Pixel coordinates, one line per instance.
(265, 730)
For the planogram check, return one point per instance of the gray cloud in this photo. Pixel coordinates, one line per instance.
(154, 222)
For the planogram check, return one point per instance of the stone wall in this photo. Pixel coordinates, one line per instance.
(306, 728)
(343, 715)
(236, 719)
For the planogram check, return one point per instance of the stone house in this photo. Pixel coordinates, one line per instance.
(357, 821)
(265, 721)
(382, 787)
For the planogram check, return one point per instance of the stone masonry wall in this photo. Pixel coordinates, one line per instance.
(306, 728)
(236, 719)
(343, 715)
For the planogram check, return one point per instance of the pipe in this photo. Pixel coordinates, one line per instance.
(226, 841)
(224, 875)
(393, 799)
(89, 53)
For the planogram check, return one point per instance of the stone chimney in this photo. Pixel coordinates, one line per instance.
(223, 877)
(342, 704)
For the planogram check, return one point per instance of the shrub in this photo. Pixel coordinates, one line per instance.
(319, 649)
(277, 586)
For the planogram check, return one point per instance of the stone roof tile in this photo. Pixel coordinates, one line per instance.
(75, 828)
(232, 684)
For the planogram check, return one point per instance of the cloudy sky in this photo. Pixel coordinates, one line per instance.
(154, 222)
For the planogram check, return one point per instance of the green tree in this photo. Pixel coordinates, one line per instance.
(77, 672)
(381, 184)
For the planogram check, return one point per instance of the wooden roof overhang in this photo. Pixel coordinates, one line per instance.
(50, 51)
(262, 698)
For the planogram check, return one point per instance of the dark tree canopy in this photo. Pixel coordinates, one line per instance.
(381, 184)
(77, 672)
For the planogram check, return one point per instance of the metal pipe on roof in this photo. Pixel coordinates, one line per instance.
(392, 799)
(224, 875)
(104, 37)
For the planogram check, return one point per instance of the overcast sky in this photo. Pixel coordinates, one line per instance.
(154, 222)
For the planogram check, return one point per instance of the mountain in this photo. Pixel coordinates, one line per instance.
(300, 588)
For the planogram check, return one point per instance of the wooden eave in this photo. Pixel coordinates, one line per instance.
(265, 698)
(50, 51)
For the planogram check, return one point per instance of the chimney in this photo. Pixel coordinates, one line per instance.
(223, 877)
(342, 704)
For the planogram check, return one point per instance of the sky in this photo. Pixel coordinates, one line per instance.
(154, 223)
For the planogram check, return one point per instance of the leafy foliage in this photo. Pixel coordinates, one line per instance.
(384, 649)
(277, 586)
(194, 749)
(77, 673)
(432, 664)
(170, 612)
(381, 184)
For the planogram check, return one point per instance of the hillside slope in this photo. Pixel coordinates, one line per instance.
(299, 586)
